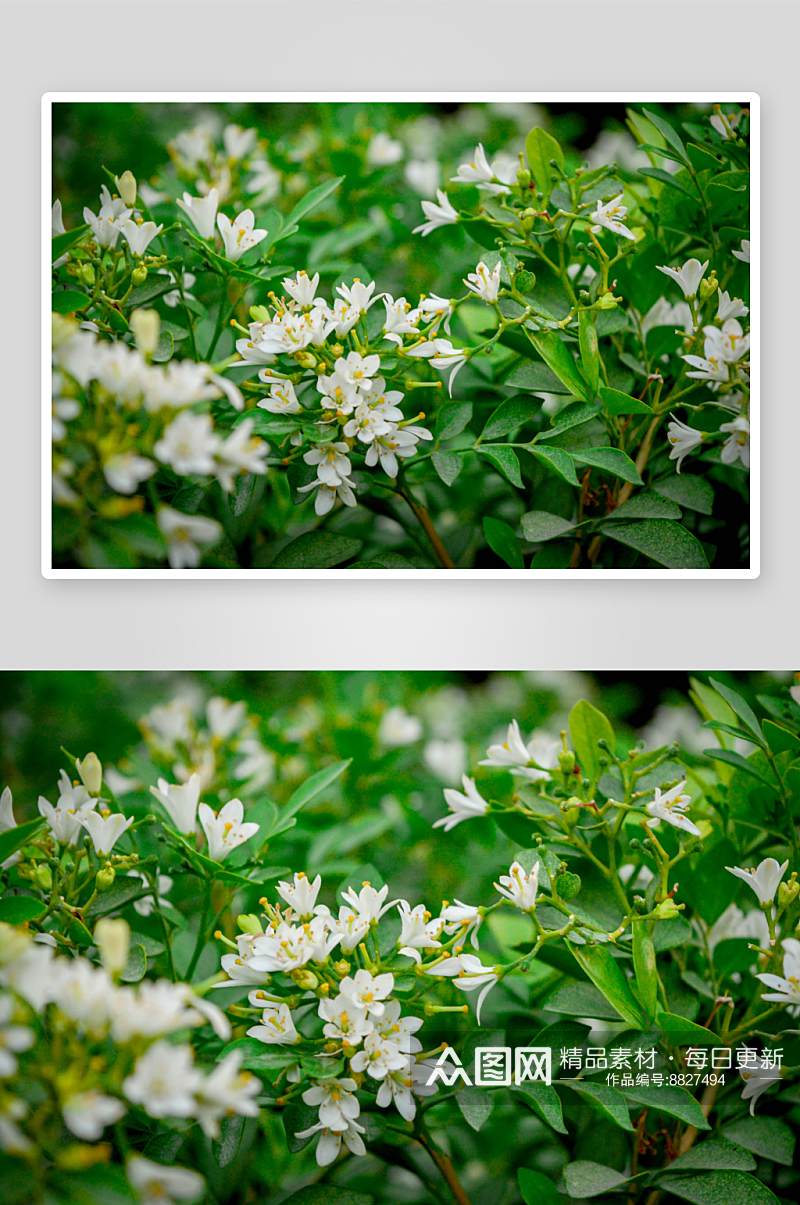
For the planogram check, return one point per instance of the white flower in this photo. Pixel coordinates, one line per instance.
(464, 918)
(224, 717)
(265, 181)
(339, 390)
(670, 807)
(344, 1021)
(744, 254)
(202, 211)
(330, 1141)
(157, 1184)
(301, 894)
(399, 1086)
(329, 493)
(139, 236)
(240, 234)
(172, 722)
(181, 532)
(730, 307)
(87, 1114)
(105, 228)
(442, 355)
(358, 296)
(164, 1081)
(787, 986)
(688, 277)
(384, 150)
(729, 343)
(105, 832)
(708, 368)
(333, 466)
(442, 214)
(338, 1105)
(343, 317)
(737, 445)
(764, 878)
(423, 175)
(194, 146)
(58, 221)
(225, 1091)
(13, 1038)
(241, 452)
(400, 319)
(189, 444)
(418, 931)
(225, 829)
(727, 125)
(378, 1057)
(302, 287)
(152, 196)
(30, 973)
(484, 283)
(757, 1080)
(7, 820)
(368, 991)
(387, 447)
(519, 887)
(683, 439)
(281, 400)
(513, 751)
(462, 807)
(277, 1025)
(180, 802)
(286, 947)
(126, 471)
(447, 759)
(479, 171)
(437, 308)
(398, 728)
(369, 903)
(611, 217)
(468, 974)
(238, 142)
(64, 819)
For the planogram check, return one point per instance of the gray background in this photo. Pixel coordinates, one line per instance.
(445, 46)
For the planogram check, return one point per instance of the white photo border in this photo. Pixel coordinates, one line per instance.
(752, 99)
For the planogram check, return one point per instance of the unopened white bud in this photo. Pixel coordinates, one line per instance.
(126, 183)
(113, 939)
(91, 772)
(146, 327)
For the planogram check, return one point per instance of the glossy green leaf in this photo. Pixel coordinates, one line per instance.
(589, 347)
(606, 1100)
(740, 706)
(688, 490)
(62, 242)
(645, 506)
(768, 1137)
(669, 132)
(17, 909)
(661, 540)
(538, 526)
(312, 787)
(135, 967)
(311, 200)
(545, 1102)
(555, 354)
(14, 838)
(258, 1056)
(722, 1188)
(675, 1102)
(613, 460)
(780, 739)
(586, 1179)
(665, 177)
(451, 419)
(504, 459)
(537, 378)
(571, 416)
(317, 550)
(164, 348)
(502, 540)
(536, 1188)
(607, 975)
(715, 1154)
(558, 460)
(510, 415)
(67, 301)
(644, 964)
(587, 726)
(683, 1032)
(327, 1194)
(616, 402)
(448, 465)
(541, 148)
(741, 763)
(578, 999)
(475, 1105)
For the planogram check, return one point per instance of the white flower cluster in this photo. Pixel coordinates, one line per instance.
(115, 217)
(213, 168)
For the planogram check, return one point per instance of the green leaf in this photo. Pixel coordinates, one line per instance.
(613, 460)
(645, 506)
(579, 1000)
(590, 352)
(502, 540)
(226, 1147)
(617, 402)
(118, 895)
(164, 348)
(670, 933)
(476, 1105)
(66, 301)
(148, 292)
(676, 1102)
(452, 419)
(539, 526)
(17, 909)
(606, 1100)
(695, 493)
(586, 1179)
(317, 550)
(310, 201)
(587, 726)
(607, 975)
(536, 1188)
(658, 173)
(768, 1137)
(644, 964)
(540, 148)
(448, 465)
(297, 1117)
(135, 967)
(558, 460)
(555, 354)
(662, 540)
(504, 459)
(327, 1194)
(779, 739)
(741, 763)
(14, 838)
(508, 416)
(571, 416)
(683, 1032)
(669, 132)
(312, 787)
(258, 1056)
(722, 1188)
(537, 378)
(742, 709)
(714, 1154)
(63, 242)
(545, 1102)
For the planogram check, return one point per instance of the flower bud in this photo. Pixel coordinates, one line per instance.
(42, 877)
(787, 892)
(708, 287)
(524, 178)
(104, 878)
(337, 349)
(668, 909)
(126, 183)
(305, 979)
(568, 885)
(91, 772)
(259, 313)
(607, 302)
(139, 274)
(113, 939)
(305, 359)
(566, 761)
(86, 274)
(146, 326)
(342, 968)
(249, 924)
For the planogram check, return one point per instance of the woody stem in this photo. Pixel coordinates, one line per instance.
(444, 1164)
